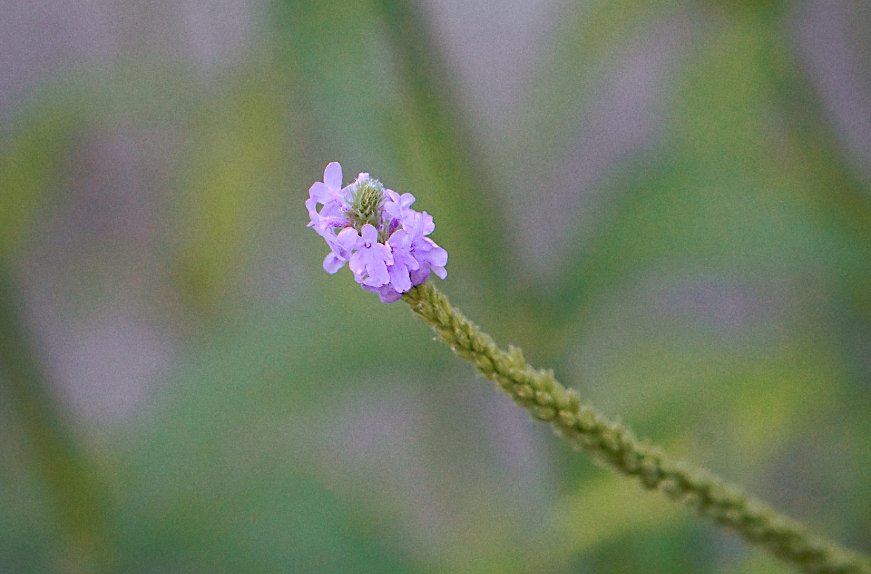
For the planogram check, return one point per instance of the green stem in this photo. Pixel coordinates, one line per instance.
(614, 445)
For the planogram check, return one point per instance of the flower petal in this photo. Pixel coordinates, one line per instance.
(378, 275)
(357, 264)
(348, 239)
(320, 191)
(369, 234)
(332, 263)
(332, 210)
(384, 253)
(311, 205)
(406, 199)
(419, 276)
(438, 256)
(427, 225)
(333, 176)
(389, 296)
(399, 278)
(400, 239)
(440, 271)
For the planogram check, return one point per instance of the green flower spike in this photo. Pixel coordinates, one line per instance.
(367, 203)
(615, 446)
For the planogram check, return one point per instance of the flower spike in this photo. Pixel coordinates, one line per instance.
(376, 232)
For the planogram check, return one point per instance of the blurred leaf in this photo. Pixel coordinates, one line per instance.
(233, 166)
(32, 158)
(723, 200)
(588, 41)
(73, 489)
(608, 509)
(216, 483)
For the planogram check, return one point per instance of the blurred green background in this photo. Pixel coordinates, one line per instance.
(669, 203)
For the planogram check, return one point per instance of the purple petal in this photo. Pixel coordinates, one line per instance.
(320, 191)
(345, 193)
(348, 239)
(311, 206)
(418, 224)
(370, 234)
(440, 271)
(391, 210)
(384, 253)
(333, 210)
(333, 176)
(400, 239)
(427, 224)
(357, 263)
(406, 199)
(389, 296)
(420, 276)
(386, 293)
(399, 278)
(377, 273)
(438, 256)
(397, 206)
(393, 225)
(332, 263)
(332, 223)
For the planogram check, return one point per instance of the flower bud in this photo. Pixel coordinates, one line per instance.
(367, 202)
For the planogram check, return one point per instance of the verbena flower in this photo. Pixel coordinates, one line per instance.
(376, 232)
(370, 262)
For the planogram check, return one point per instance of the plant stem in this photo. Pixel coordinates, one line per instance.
(615, 446)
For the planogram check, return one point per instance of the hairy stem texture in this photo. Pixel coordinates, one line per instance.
(615, 446)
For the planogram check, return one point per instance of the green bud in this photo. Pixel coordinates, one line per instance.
(367, 200)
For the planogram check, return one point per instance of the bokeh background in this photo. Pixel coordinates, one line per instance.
(669, 203)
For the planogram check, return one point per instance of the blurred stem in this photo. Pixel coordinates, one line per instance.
(615, 446)
(453, 150)
(70, 480)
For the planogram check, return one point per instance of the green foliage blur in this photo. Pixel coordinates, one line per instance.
(712, 287)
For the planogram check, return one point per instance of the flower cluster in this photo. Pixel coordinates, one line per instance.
(376, 232)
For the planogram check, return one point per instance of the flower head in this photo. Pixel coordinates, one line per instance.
(376, 232)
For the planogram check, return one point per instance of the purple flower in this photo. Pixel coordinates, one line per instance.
(420, 224)
(331, 188)
(370, 262)
(342, 246)
(376, 232)
(403, 261)
(397, 206)
(430, 256)
(330, 194)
